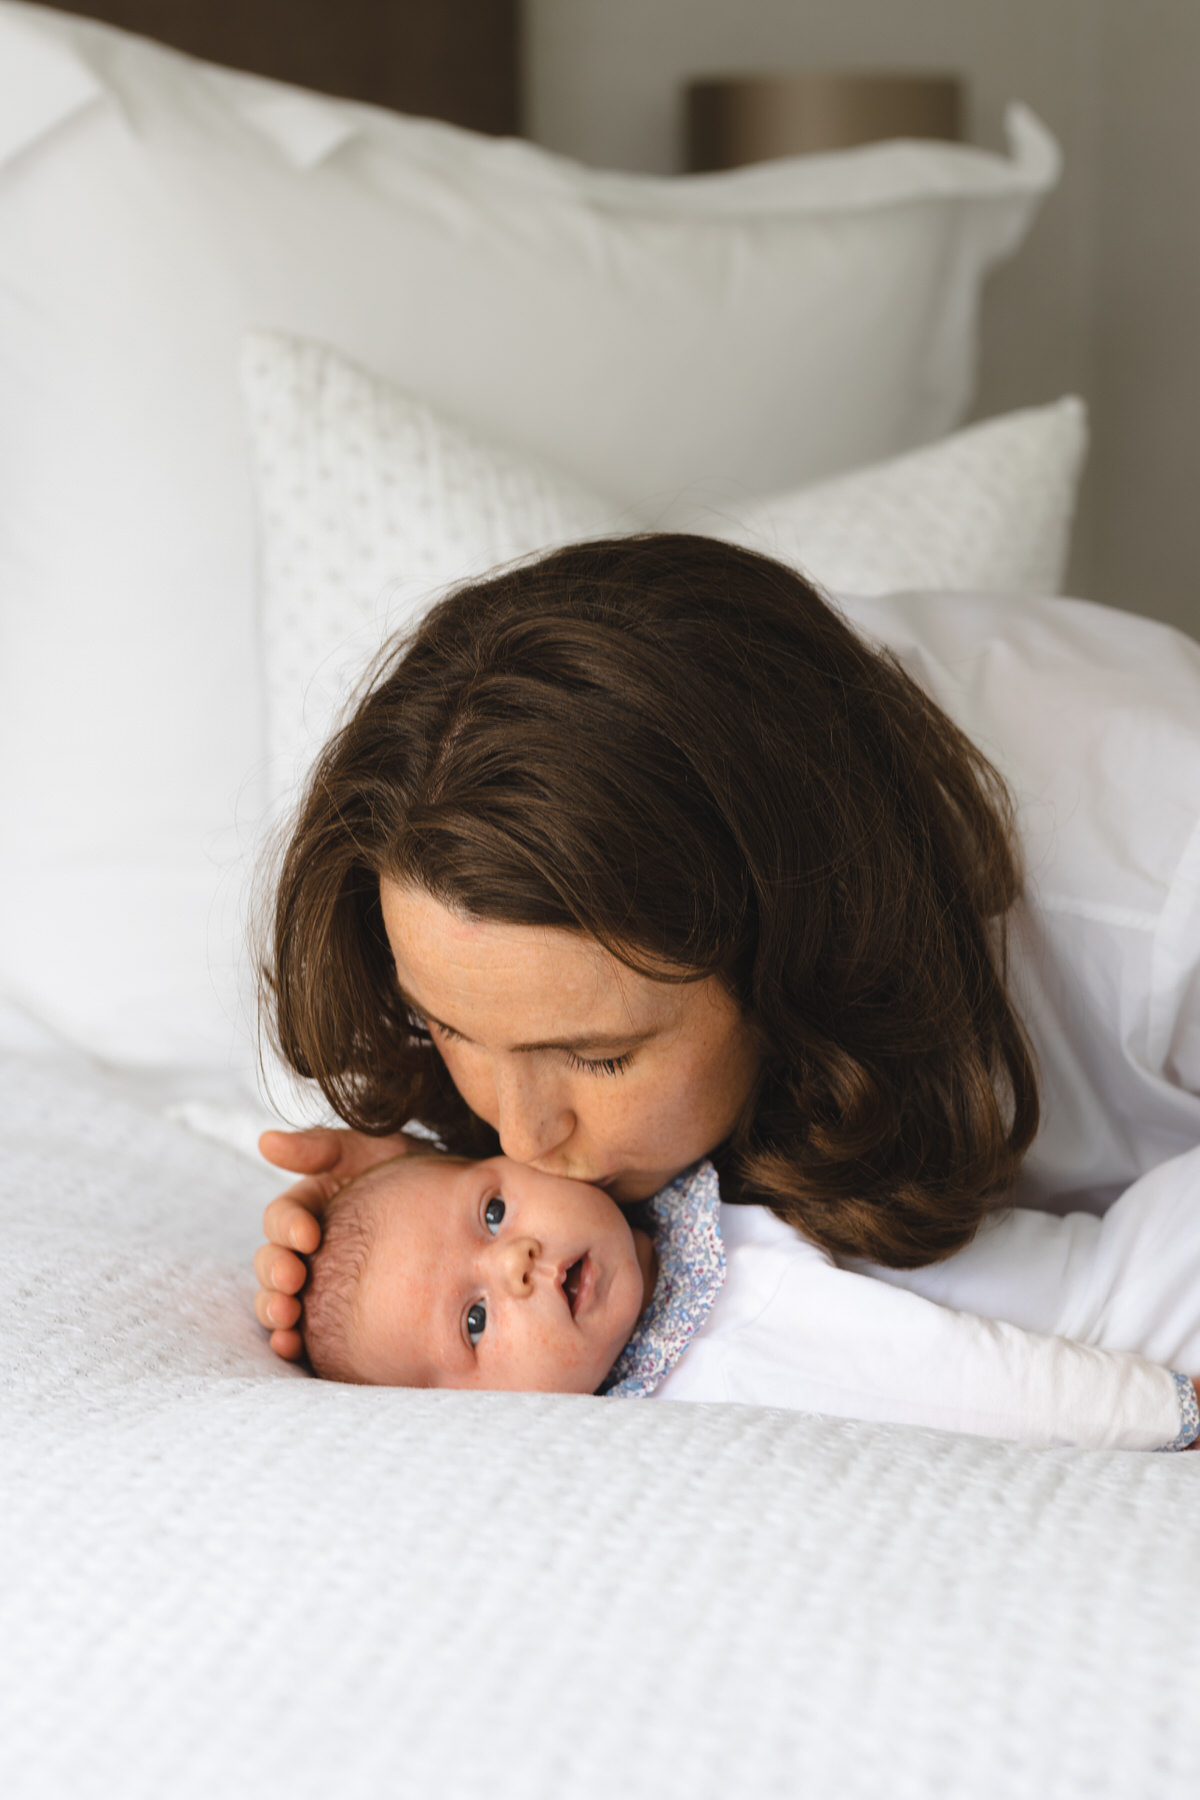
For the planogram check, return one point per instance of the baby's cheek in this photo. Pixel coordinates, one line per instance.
(583, 1365)
(579, 1369)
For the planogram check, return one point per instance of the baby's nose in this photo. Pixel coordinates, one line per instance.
(519, 1257)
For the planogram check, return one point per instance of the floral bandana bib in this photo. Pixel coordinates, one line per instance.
(691, 1269)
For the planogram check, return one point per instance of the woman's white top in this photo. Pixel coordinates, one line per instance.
(1093, 718)
(1054, 1330)
(1045, 1329)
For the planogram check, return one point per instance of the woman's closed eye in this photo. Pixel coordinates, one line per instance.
(476, 1322)
(588, 1065)
(599, 1065)
(434, 1028)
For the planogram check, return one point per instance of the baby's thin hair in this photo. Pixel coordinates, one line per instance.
(335, 1272)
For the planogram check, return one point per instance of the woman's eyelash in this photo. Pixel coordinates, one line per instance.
(447, 1031)
(600, 1065)
(597, 1065)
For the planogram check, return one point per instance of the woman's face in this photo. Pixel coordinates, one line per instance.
(584, 1068)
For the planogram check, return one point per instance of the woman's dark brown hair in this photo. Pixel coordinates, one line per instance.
(681, 749)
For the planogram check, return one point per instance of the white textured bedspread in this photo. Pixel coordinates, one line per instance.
(220, 1578)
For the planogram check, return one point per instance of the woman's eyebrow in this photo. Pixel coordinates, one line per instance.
(600, 1043)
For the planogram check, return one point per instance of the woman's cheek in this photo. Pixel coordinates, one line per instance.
(601, 1104)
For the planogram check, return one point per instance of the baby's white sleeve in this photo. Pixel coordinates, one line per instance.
(831, 1340)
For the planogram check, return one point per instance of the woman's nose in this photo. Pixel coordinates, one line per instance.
(518, 1258)
(530, 1122)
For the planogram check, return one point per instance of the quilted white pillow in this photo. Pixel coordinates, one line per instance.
(989, 508)
(372, 501)
(642, 334)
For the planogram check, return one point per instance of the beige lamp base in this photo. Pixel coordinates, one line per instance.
(743, 119)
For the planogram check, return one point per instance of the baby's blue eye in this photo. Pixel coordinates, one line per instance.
(493, 1214)
(476, 1321)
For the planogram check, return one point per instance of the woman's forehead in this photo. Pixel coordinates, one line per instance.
(540, 984)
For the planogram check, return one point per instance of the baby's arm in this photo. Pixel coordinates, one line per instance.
(970, 1373)
(836, 1341)
(1127, 1281)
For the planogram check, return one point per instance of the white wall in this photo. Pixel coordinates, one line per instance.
(1103, 300)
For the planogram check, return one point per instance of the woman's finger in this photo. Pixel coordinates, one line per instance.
(278, 1270)
(302, 1152)
(288, 1222)
(287, 1344)
(276, 1311)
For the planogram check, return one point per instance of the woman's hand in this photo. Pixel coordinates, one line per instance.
(326, 1160)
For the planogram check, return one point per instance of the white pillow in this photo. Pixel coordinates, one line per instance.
(989, 508)
(752, 329)
(371, 501)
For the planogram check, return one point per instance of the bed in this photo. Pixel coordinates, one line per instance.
(277, 366)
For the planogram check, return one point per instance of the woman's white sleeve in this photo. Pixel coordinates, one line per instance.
(1093, 718)
(833, 1341)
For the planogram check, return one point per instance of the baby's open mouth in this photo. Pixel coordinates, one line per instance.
(571, 1281)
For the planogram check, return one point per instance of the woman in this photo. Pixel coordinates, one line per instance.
(637, 854)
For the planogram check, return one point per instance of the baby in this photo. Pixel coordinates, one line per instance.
(438, 1272)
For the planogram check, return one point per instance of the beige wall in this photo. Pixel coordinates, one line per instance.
(1104, 298)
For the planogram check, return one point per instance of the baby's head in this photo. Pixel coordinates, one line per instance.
(435, 1272)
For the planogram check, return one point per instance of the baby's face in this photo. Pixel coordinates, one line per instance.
(493, 1275)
